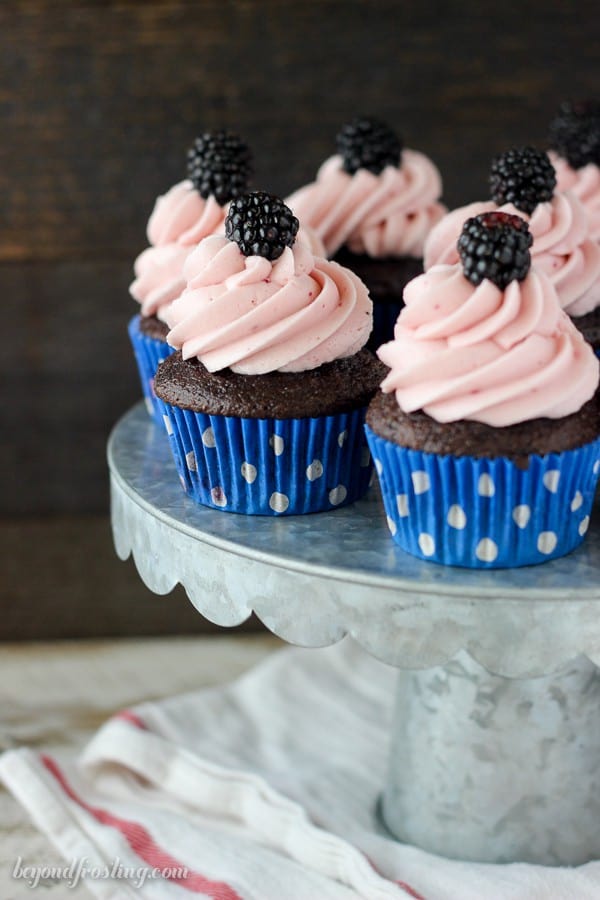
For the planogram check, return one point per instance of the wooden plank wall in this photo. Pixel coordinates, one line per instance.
(98, 103)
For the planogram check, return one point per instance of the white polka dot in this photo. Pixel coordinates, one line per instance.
(279, 502)
(420, 481)
(218, 496)
(546, 542)
(521, 515)
(391, 525)
(342, 437)
(149, 405)
(277, 443)
(486, 486)
(365, 457)
(457, 517)
(168, 425)
(315, 470)
(551, 479)
(190, 459)
(576, 501)
(183, 484)
(249, 472)
(338, 495)
(208, 437)
(378, 465)
(584, 525)
(486, 550)
(596, 467)
(402, 504)
(426, 544)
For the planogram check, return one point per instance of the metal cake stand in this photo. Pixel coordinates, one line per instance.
(496, 742)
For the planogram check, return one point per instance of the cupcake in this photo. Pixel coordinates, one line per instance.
(575, 155)
(486, 431)
(522, 182)
(373, 204)
(219, 166)
(264, 400)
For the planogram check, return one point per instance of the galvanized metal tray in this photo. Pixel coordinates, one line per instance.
(312, 579)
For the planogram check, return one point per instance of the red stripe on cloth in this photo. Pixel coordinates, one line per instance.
(143, 844)
(405, 887)
(410, 890)
(128, 716)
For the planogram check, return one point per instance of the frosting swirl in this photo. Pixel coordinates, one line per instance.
(184, 216)
(179, 220)
(584, 183)
(158, 278)
(561, 247)
(256, 316)
(309, 236)
(476, 352)
(385, 215)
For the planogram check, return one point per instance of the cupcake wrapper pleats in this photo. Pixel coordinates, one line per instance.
(149, 352)
(269, 467)
(486, 513)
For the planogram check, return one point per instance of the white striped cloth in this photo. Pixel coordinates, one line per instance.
(265, 789)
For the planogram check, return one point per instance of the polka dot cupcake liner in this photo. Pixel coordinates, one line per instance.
(269, 467)
(486, 513)
(149, 352)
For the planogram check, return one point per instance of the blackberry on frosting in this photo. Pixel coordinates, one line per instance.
(261, 225)
(219, 164)
(495, 246)
(575, 133)
(522, 176)
(368, 143)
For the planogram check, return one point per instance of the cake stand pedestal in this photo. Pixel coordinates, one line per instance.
(496, 740)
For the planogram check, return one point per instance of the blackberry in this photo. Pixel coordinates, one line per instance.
(367, 143)
(495, 246)
(261, 225)
(522, 176)
(575, 133)
(220, 164)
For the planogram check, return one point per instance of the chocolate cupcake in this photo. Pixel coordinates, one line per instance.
(523, 183)
(264, 403)
(219, 166)
(373, 204)
(486, 433)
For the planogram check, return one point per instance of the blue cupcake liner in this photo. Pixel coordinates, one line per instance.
(149, 352)
(486, 513)
(269, 467)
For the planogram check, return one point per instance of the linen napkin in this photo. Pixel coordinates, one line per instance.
(264, 789)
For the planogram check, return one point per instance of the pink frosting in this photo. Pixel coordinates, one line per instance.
(179, 220)
(159, 278)
(585, 184)
(309, 236)
(561, 247)
(476, 352)
(184, 216)
(159, 273)
(254, 316)
(385, 215)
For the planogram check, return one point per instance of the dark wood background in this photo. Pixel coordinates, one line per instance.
(98, 103)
